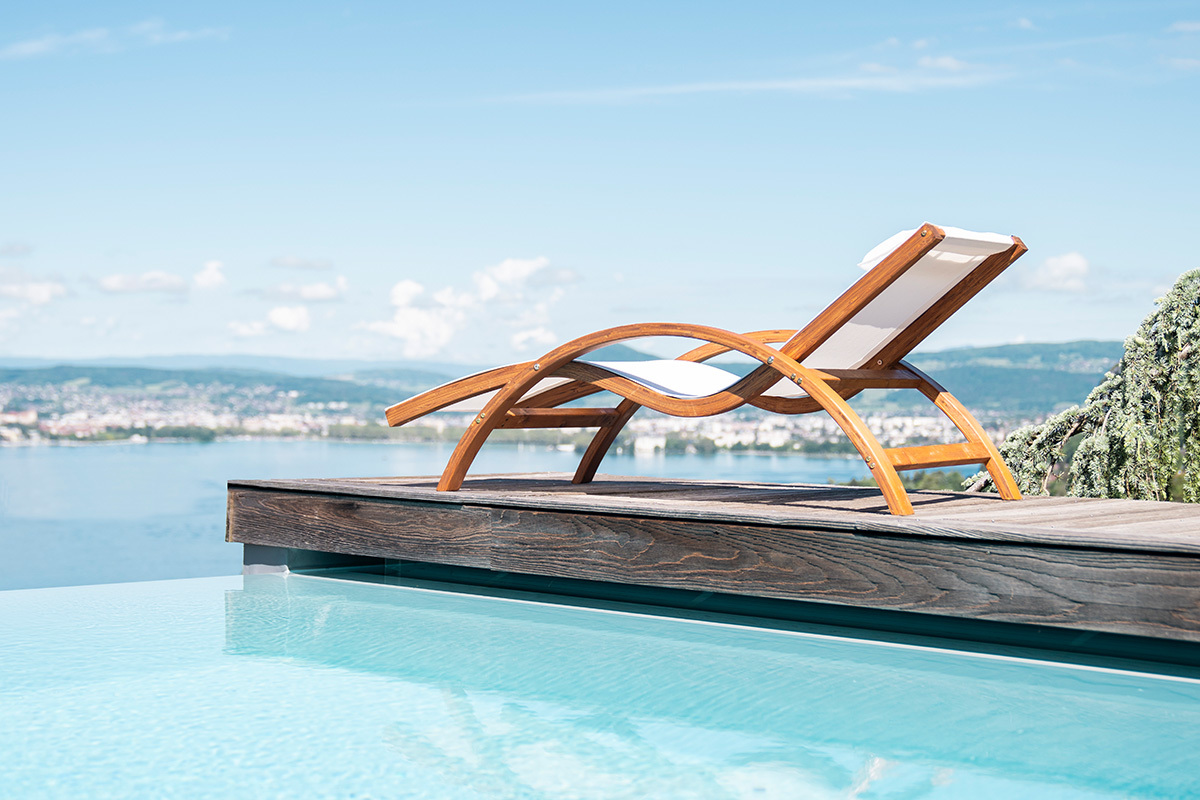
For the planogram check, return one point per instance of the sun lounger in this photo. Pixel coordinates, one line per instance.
(914, 282)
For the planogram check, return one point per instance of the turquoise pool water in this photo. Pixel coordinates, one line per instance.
(300, 686)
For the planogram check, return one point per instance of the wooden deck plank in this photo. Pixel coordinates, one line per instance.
(1035, 520)
(1112, 566)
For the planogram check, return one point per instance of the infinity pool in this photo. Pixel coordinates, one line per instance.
(301, 686)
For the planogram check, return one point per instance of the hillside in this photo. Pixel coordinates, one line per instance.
(1022, 379)
(207, 381)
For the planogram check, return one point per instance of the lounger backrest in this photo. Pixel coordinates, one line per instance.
(907, 310)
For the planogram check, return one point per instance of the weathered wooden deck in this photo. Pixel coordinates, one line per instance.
(1114, 566)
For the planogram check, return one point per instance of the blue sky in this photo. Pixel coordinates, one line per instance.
(477, 183)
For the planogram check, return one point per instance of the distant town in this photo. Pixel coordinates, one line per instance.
(75, 405)
(57, 415)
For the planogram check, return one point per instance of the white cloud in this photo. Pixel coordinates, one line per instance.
(106, 40)
(19, 286)
(515, 293)
(509, 274)
(247, 329)
(404, 292)
(289, 318)
(876, 69)
(1065, 273)
(210, 276)
(1185, 26)
(920, 44)
(1184, 63)
(424, 331)
(153, 281)
(36, 292)
(541, 336)
(296, 262)
(316, 292)
(1026, 24)
(949, 63)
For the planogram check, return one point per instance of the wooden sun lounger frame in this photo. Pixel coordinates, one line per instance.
(827, 390)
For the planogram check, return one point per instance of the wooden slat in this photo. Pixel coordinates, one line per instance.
(451, 393)
(558, 417)
(869, 378)
(937, 455)
(791, 507)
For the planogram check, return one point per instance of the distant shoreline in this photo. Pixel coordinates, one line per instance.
(379, 442)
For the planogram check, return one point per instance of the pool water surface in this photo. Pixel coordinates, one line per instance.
(302, 686)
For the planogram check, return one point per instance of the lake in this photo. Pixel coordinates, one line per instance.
(112, 513)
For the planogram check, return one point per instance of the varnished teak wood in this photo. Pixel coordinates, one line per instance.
(516, 401)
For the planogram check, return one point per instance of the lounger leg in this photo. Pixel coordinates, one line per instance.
(865, 442)
(966, 423)
(602, 441)
(481, 427)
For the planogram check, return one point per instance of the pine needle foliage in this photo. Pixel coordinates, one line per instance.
(1138, 433)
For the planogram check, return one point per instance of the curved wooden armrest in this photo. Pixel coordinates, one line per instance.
(450, 393)
(707, 351)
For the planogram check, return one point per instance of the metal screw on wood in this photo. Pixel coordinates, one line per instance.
(770, 359)
(924, 233)
(879, 362)
(536, 367)
(479, 419)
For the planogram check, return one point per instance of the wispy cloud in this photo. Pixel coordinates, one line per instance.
(18, 285)
(152, 281)
(289, 319)
(931, 76)
(316, 292)
(1065, 273)
(1184, 63)
(292, 319)
(1185, 26)
(299, 262)
(149, 33)
(244, 330)
(948, 63)
(210, 276)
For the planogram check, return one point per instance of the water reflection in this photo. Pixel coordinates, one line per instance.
(517, 700)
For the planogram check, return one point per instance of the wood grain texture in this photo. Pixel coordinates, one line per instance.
(937, 455)
(721, 538)
(558, 417)
(450, 393)
(1052, 521)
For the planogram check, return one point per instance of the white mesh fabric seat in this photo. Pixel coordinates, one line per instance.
(854, 344)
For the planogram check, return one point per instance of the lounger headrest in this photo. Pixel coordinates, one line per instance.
(957, 240)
